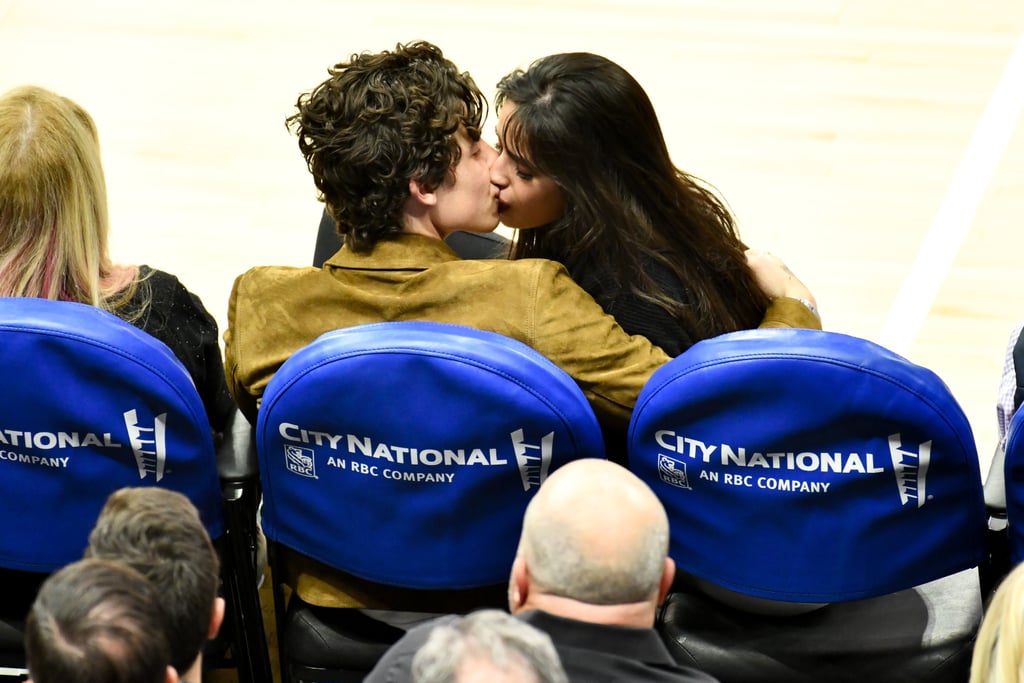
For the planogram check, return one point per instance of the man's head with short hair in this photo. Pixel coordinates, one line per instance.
(98, 621)
(381, 120)
(490, 646)
(594, 537)
(158, 533)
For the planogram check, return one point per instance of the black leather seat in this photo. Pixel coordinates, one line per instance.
(468, 245)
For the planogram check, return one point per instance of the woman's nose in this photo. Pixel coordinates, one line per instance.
(499, 175)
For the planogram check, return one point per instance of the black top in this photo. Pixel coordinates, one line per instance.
(178, 318)
(595, 653)
(637, 316)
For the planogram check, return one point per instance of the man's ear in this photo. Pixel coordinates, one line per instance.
(419, 192)
(216, 618)
(518, 585)
(171, 676)
(668, 575)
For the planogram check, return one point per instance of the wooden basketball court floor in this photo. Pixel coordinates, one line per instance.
(877, 145)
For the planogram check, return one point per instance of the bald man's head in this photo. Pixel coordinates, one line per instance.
(597, 534)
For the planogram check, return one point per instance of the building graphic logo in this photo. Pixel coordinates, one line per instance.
(533, 459)
(673, 472)
(911, 470)
(149, 443)
(300, 460)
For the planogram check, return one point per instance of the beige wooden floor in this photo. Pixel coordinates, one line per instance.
(842, 132)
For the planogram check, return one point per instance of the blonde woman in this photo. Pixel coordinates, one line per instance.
(54, 230)
(999, 649)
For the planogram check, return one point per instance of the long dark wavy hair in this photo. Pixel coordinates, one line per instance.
(585, 122)
(379, 120)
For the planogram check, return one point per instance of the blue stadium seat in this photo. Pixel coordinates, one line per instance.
(92, 404)
(826, 508)
(403, 454)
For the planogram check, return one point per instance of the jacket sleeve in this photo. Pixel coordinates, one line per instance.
(786, 312)
(570, 328)
(247, 401)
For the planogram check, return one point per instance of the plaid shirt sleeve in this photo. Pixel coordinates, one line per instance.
(1007, 387)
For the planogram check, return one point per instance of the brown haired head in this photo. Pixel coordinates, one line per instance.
(381, 120)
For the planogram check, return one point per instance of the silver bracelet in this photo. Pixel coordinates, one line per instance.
(811, 307)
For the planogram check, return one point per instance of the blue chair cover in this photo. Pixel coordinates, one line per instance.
(1013, 470)
(90, 404)
(405, 453)
(809, 466)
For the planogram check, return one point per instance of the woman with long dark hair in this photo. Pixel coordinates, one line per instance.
(586, 177)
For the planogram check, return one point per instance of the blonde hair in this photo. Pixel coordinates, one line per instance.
(999, 649)
(53, 204)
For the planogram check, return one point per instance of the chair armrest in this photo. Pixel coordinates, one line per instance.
(998, 540)
(995, 482)
(238, 469)
(236, 452)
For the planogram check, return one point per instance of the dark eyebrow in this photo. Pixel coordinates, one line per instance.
(520, 161)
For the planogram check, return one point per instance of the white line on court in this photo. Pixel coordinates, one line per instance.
(956, 212)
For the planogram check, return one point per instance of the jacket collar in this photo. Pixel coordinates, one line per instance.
(401, 252)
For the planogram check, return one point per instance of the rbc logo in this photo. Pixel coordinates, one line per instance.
(673, 472)
(300, 461)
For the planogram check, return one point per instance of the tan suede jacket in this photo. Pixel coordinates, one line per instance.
(274, 311)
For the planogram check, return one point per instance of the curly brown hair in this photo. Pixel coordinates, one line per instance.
(381, 120)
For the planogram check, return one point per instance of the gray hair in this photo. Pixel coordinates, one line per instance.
(563, 563)
(491, 636)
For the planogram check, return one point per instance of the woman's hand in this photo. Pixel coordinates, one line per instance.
(776, 279)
